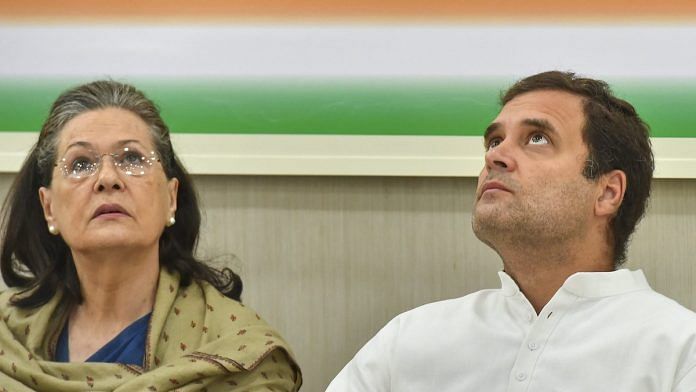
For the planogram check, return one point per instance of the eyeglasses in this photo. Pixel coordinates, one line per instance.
(81, 162)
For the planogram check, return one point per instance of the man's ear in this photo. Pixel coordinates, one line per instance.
(612, 187)
(46, 200)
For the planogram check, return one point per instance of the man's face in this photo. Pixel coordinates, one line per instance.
(531, 190)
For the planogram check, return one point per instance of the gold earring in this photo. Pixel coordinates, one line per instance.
(53, 229)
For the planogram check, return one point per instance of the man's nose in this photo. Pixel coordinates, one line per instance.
(501, 157)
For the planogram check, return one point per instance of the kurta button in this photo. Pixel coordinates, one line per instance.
(530, 316)
(521, 376)
(532, 346)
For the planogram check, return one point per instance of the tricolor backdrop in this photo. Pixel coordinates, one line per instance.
(344, 87)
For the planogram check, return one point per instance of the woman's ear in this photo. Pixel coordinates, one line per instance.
(173, 190)
(611, 193)
(46, 200)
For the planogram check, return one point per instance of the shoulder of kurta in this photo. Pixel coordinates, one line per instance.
(450, 308)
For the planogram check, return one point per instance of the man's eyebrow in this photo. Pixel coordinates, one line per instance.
(538, 123)
(541, 124)
(490, 129)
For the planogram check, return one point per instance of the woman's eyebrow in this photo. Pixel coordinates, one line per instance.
(79, 144)
(121, 143)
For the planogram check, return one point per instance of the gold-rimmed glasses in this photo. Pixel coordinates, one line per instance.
(80, 161)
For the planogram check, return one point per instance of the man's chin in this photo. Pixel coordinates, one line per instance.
(489, 210)
(488, 223)
(486, 234)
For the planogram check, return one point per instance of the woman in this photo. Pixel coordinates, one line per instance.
(98, 235)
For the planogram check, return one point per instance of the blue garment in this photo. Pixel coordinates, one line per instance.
(128, 347)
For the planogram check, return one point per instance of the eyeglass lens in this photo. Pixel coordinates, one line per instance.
(80, 162)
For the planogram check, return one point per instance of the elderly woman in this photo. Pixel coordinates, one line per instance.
(98, 239)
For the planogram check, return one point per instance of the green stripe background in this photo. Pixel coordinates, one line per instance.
(381, 106)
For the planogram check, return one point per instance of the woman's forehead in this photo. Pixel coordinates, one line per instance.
(104, 129)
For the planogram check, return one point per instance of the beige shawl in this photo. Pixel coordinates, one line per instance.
(198, 340)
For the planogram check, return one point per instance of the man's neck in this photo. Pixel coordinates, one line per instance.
(540, 271)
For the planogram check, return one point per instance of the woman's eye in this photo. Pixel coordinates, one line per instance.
(132, 158)
(538, 138)
(81, 165)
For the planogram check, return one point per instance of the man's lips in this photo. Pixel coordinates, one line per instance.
(110, 210)
(494, 186)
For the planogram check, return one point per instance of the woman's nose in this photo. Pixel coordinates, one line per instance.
(108, 175)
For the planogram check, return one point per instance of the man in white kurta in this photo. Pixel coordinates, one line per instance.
(601, 332)
(566, 179)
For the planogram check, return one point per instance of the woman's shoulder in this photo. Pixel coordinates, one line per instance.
(6, 295)
(204, 325)
(241, 329)
(28, 328)
(225, 310)
(8, 309)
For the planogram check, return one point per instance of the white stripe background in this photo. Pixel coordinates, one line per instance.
(183, 51)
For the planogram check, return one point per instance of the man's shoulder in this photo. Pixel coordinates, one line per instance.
(449, 310)
(657, 304)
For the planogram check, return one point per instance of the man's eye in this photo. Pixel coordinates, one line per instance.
(538, 138)
(493, 143)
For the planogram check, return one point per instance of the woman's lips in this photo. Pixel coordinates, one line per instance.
(110, 211)
(111, 215)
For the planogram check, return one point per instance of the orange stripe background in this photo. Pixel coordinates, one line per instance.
(361, 10)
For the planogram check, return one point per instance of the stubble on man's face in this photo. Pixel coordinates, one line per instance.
(546, 213)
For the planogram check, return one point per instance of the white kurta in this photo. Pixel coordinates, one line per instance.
(601, 332)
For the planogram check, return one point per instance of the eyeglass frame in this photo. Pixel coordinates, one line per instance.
(62, 164)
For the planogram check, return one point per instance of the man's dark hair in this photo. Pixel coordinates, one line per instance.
(40, 263)
(617, 139)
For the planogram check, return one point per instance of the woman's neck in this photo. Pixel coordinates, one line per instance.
(117, 288)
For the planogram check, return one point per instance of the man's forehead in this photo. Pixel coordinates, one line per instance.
(558, 110)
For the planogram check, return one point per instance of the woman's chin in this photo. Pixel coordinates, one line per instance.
(113, 240)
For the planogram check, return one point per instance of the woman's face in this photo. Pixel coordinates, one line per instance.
(109, 209)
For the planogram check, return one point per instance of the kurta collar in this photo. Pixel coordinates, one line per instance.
(590, 284)
(605, 284)
(508, 285)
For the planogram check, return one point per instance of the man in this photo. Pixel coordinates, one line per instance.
(566, 179)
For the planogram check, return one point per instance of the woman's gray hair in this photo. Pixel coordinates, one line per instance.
(97, 95)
